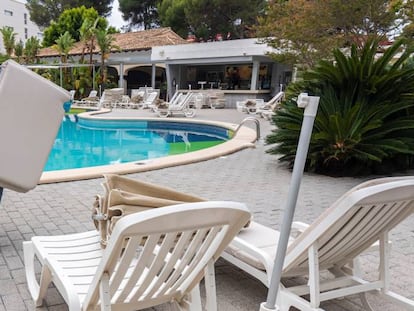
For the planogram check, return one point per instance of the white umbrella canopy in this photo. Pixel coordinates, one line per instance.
(310, 104)
(31, 111)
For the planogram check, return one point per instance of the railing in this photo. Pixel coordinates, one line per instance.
(256, 121)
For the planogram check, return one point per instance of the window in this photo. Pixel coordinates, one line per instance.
(26, 35)
(25, 18)
(8, 13)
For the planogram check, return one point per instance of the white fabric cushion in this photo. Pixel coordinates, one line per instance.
(259, 236)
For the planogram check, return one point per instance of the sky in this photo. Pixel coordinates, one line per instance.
(116, 17)
(114, 20)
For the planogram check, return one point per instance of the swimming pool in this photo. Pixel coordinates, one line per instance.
(95, 142)
(245, 137)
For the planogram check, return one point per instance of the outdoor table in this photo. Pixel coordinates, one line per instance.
(202, 84)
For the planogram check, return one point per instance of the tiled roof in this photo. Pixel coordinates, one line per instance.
(130, 41)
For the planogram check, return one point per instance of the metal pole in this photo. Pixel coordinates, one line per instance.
(61, 76)
(310, 103)
(93, 79)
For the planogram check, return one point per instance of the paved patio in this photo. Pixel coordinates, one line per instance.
(249, 176)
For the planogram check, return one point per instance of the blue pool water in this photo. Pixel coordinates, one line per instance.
(84, 143)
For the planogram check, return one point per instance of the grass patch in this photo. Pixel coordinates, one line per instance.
(179, 148)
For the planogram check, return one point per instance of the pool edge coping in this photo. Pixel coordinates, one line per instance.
(244, 138)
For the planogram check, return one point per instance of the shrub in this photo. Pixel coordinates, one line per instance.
(365, 118)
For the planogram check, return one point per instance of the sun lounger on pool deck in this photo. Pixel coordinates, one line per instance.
(361, 217)
(153, 257)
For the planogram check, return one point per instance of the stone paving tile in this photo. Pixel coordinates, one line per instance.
(251, 176)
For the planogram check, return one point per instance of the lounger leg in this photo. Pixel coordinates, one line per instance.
(104, 293)
(190, 303)
(210, 284)
(384, 261)
(163, 114)
(287, 299)
(385, 275)
(314, 276)
(36, 291)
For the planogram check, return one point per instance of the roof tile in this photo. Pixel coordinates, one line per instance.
(129, 41)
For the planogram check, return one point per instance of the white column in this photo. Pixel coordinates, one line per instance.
(255, 75)
(121, 75)
(169, 82)
(154, 67)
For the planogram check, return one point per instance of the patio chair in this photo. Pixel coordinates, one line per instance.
(91, 100)
(258, 106)
(180, 105)
(268, 109)
(249, 105)
(216, 99)
(137, 99)
(149, 102)
(111, 98)
(153, 257)
(361, 217)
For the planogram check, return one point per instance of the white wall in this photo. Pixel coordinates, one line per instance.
(12, 14)
(242, 48)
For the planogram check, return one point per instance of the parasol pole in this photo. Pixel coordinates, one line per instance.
(310, 103)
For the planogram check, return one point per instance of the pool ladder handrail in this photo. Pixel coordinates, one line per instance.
(255, 120)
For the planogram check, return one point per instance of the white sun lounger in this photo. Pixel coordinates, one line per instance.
(180, 105)
(361, 217)
(153, 257)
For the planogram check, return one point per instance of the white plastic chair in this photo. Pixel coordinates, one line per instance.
(361, 217)
(153, 257)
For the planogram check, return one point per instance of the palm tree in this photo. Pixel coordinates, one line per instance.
(365, 120)
(106, 45)
(31, 49)
(9, 38)
(18, 50)
(63, 45)
(88, 32)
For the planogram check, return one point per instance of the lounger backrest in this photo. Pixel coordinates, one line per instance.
(135, 92)
(276, 100)
(93, 93)
(185, 100)
(160, 255)
(176, 97)
(115, 94)
(180, 102)
(352, 224)
(152, 97)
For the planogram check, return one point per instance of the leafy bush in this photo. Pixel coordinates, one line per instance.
(365, 120)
